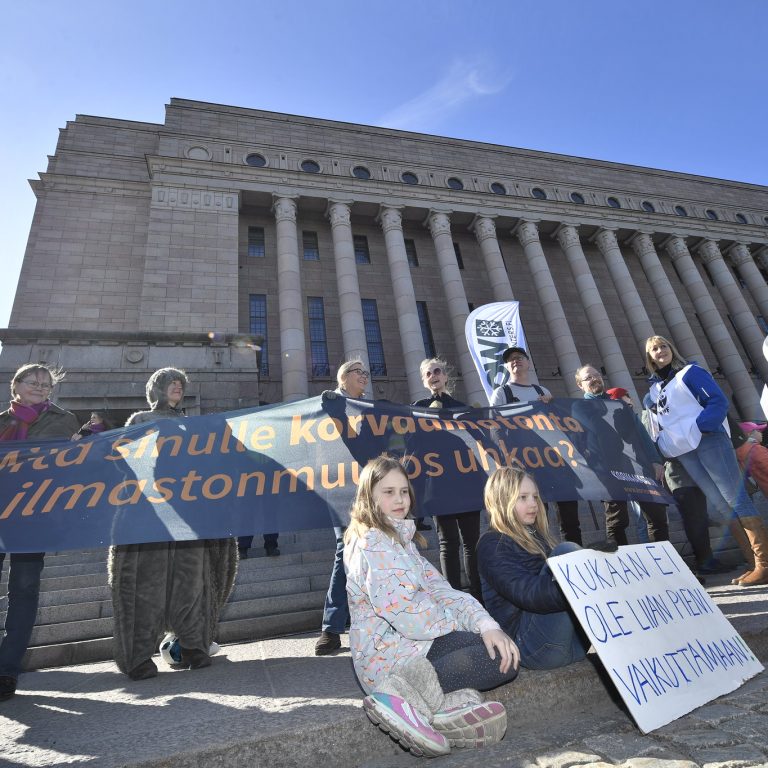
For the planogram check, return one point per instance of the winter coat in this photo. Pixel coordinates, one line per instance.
(167, 586)
(513, 581)
(53, 424)
(399, 603)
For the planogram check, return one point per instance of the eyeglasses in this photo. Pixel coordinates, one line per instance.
(593, 377)
(361, 372)
(37, 385)
(434, 372)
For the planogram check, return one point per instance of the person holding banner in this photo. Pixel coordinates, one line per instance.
(519, 389)
(421, 649)
(518, 587)
(688, 419)
(606, 439)
(176, 586)
(462, 529)
(31, 416)
(352, 379)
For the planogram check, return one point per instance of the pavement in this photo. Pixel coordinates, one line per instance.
(273, 703)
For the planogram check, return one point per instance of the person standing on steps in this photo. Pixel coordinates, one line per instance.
(31, 416)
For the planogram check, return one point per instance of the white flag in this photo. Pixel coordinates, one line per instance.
(490, 330)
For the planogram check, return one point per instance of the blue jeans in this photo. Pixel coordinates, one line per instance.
(550, 640)
(336, 609)
(23, 597)
(714, 468)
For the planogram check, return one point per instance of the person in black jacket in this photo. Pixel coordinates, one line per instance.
(518, 588)
(460, 531)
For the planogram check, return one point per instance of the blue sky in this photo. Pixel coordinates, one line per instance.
(677, 84)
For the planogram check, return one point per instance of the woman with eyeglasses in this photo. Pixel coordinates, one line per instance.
(31, 416)
(352, 379)
(688, 418)
(460, 531)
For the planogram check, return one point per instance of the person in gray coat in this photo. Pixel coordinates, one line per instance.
(176, 586)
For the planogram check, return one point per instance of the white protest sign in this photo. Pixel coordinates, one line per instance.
(665, 643)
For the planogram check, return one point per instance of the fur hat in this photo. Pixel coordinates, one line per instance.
(159, 382)
(616, 393)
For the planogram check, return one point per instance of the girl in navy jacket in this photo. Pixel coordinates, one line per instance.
(519, 590)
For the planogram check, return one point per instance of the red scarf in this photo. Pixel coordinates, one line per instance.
(22, 418)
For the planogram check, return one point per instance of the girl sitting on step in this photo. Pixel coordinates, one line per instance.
(519, 590)
(420, 648)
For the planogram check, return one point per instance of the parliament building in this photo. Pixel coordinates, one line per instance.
(259, 250)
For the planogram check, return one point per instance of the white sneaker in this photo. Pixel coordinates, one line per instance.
(472, 725)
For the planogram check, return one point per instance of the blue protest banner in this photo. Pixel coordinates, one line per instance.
(295, 466)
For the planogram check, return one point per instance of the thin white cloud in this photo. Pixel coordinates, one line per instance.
(464, 82)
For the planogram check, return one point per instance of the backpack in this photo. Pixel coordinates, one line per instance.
(510, 395)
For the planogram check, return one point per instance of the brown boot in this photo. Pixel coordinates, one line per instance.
(758, 538)
(740, 537)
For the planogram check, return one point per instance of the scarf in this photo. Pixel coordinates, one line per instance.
(22, 418)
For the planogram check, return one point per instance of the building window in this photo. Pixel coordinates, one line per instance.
(310, 166)
(256, 242)
(256, 160)
(539, 193)
(362, 254)
(648, 206)
(761, 321)
(498, 188)
(457, 251)
(373, 338)
(765, 219)
(680, 211)
(318, 341)
(361, 172)
(426, 329)
(741, 218)
(410, 252)
(257, 322)
(409, 177)
(577, 197)
(614, 202)
(471, 306)
(455, 183)
(710, 214)
(311, 249)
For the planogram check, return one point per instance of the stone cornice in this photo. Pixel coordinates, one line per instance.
(68, 336)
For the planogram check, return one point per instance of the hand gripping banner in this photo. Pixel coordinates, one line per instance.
(295, 466)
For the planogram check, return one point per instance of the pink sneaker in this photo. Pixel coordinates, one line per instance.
(472, 725)
(403, 723)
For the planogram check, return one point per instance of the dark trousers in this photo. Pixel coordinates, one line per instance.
(23, 598)
(616, 521)
(459, 533)
(461, 660)
(692, 505)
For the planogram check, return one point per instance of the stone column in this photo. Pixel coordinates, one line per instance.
(762, 257)
(485, 232)
(348, 286)
(610, 351)
(750, 274)
(565, 350)
(293, 349)
(720, 340)
(743, 320)
(674, 315)
(625, 287)
(411, 338)
(440, 228)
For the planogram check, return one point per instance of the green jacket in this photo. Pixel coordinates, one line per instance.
(54, 424)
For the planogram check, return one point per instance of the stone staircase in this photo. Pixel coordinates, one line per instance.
(273, 596)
